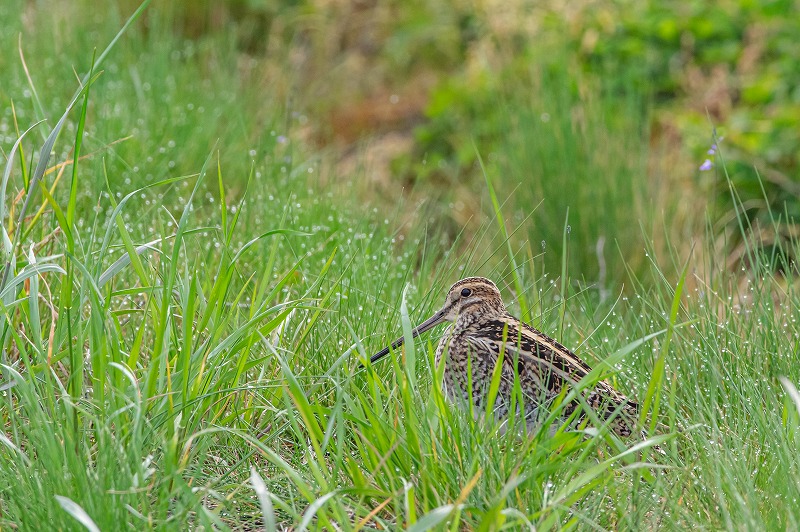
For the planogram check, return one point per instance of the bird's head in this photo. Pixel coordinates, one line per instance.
(471, 299)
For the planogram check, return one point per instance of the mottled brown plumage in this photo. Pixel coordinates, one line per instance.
(480, 329)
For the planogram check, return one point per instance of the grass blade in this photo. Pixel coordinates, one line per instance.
(80, 515)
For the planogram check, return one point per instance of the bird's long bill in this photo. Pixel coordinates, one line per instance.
(431, 322)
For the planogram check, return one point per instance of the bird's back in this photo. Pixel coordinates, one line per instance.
(544, 368)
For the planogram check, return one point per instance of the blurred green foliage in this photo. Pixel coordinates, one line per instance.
(734, 61)
(689, 66)
(568, 104)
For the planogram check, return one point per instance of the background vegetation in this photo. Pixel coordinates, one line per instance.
(207, 222)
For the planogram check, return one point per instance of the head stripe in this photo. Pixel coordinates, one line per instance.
(473, 280)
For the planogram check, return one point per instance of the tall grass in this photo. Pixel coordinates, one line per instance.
(181, 342)
(576, 153)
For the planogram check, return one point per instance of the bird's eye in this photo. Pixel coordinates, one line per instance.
(466, 292)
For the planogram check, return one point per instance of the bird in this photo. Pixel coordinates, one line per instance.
(481, 328)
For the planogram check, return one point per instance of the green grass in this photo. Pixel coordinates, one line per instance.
(212, 379)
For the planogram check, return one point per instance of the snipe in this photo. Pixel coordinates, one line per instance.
(481, 328)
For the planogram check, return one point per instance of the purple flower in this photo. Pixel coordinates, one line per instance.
(713, 149)
(707, 165)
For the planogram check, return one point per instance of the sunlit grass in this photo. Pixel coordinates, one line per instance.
(181, 343)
